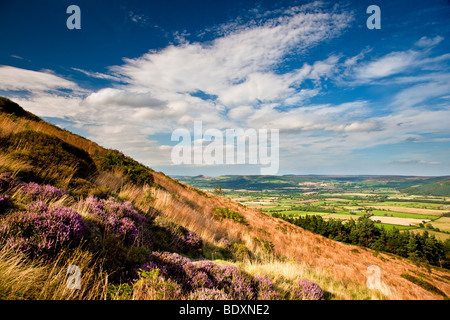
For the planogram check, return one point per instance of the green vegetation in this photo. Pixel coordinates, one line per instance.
(229, 214)
(136, 172)
(424, 284)
(441, 188)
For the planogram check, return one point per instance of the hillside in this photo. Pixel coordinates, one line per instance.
(137, 233)
(440, 188)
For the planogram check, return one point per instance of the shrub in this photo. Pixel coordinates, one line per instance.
(229, 278)
(119, 218)
(172, 266)
(265, 289)
(240, 251)
(174, 237)
(152, 285)
(209, 280)
(266, 245)
(135, 171)
(307, 290)
(119, 291)
(42, 192)
(42, 230)
(226, 213)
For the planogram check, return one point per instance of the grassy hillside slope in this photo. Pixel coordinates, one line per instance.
(143, 235)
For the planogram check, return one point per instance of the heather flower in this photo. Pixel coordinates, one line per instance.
(225, 243)
(42, 192)
(120, 218)
(181, 239)
(42, 230)
(202, 275)
(307, 290)
(173, 266)
(265, 288)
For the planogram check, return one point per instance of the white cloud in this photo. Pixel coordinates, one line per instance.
(240, 61)
(398, 62)
(15, 79)
(159, 91)
(117, 97)
(419, 93)
(97, 74)
(52, 105)
(426, 42)
(390, 64)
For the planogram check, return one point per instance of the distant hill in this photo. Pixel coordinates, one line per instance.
(259, 182)
(138, 234)
(440, 188)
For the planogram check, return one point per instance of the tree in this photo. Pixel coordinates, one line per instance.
(218, 190)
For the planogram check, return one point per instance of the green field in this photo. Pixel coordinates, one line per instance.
(342, 198)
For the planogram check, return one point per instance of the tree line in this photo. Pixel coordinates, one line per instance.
(363, 232)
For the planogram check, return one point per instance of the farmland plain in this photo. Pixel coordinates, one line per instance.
(384, 199)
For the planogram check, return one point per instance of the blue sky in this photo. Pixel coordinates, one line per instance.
(346, 99)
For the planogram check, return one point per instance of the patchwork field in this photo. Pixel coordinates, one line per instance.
(342, 198)
(411, 210)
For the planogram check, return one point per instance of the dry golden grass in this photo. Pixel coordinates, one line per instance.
(285, 273)
(24, 279)
(10, 126)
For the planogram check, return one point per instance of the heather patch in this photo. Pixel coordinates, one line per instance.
(265, 289)
(39, 192)
(206, 280)
(42, 230)
(174, 237)
(119, 218)
(307, 290)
